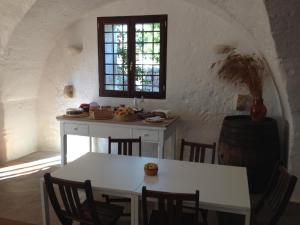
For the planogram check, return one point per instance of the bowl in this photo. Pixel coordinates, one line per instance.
(151, 169)
(151, 172)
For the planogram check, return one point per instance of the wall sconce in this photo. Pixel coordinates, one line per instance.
(69, 91)
(74, 49)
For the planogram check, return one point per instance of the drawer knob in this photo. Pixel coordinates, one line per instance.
(75, 128)
(146, 135)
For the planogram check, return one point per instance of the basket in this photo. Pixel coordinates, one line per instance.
(101, 114)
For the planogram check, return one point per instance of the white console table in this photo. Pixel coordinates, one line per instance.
(152, 133)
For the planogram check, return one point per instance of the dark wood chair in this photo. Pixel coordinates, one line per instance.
(125, 145)
(64, 196)
(170, 208)
(197, 153)
(273, 202)
(124, 148)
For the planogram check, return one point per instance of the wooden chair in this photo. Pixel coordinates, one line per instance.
(197, 154)
(170, 208)
(70, 208)
(273, 202)
(125, 145)
(197, 151)
(124, 148)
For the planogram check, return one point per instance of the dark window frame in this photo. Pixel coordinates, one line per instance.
(131, 21)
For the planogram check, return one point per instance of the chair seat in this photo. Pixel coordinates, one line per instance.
(187, 218)
(108, 213)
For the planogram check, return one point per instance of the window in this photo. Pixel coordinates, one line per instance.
(132, 56)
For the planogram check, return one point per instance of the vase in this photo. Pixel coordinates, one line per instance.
(258, 110)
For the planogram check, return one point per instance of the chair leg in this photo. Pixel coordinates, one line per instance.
(204, 214)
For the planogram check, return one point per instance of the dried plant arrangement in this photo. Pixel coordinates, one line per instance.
(245, 69)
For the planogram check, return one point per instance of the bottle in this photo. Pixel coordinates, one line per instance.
(141, 105)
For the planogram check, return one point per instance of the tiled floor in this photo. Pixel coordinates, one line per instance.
(20, 196)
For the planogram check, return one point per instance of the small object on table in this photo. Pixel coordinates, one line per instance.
(155, 119)
(76, 112)
(151, 169)
(94, 105)
(85, 107)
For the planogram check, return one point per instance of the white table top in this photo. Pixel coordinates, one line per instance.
(106, 172)
(220, 186)
(224, 187)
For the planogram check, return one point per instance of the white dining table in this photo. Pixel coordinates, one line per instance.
(222, 188)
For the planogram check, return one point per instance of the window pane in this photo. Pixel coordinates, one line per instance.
(118, 69)
(148, 27)
(118, 79)
(109, 87)
(108, 37)
(138, 70)
(118, 27)
(138, 88)
(155, 89)
(109, 69)
(109, 59)
(147, 88)
(156, 80)
(147, 80)
(156, 58)
(139, 27)
(109, 79)
(148, 37)
(148, 48)
(156, 70)
(138, 37)
(156, 37)
(139, 48)
(147, 69)
(107, 28)
(109, 48)
(156, 26)
(119, 88)
(156, 48)
(125, 80)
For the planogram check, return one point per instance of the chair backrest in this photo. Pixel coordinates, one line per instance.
(125, 145)
(170, 207)
(276, 197)
(197, 151)
(64, 197)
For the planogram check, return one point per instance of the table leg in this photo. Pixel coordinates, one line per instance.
(173, 144)
(63, 151)
(45, 203)
(161, 144)
(247, 218)
(91, 144)
(134, 210)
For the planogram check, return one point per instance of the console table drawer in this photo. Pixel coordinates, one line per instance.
(105, 131)
(147, 135)
(77, 129)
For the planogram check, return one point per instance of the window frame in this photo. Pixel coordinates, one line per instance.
(131, 21)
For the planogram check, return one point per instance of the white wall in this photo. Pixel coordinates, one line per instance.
(193, 92)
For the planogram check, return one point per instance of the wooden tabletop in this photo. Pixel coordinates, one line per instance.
(164, 124)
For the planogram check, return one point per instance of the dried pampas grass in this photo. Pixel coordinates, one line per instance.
(246, 69)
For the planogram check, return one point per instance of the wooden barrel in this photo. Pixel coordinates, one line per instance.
(252, 144)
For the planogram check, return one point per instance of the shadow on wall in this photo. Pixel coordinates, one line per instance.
(3, 155)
